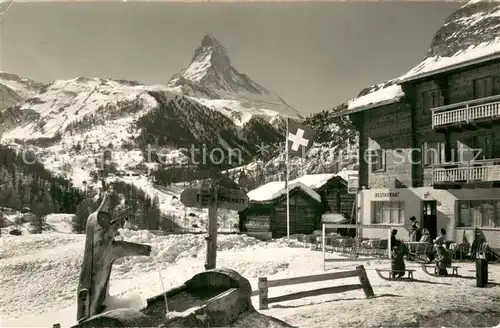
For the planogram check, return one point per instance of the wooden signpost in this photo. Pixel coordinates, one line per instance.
(214, 198)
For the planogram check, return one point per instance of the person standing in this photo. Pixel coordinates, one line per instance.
(415, 232)
(426, 238)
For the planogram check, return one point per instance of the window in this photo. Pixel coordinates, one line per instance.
(483, 87)
(431, 99)
(478, 213)
(390, 212)
(258, 223)
(433, 153)
(377, 160)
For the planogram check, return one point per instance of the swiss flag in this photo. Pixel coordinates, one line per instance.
(299, 139)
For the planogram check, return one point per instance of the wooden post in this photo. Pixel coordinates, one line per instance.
(263, 291)
(363, 279)
(323, 242)
(389, 244)
(212, 229)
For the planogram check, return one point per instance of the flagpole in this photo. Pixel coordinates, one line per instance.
(286, 185)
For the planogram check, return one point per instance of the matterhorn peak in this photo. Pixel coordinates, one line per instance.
(209, 41)
(211, 76)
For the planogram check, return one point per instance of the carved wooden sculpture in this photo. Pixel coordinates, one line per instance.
(101, 250)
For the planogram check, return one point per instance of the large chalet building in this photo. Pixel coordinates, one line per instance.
(429, 147)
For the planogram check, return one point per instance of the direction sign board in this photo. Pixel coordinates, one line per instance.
(189, 197)
(231, 199)
(213, 199)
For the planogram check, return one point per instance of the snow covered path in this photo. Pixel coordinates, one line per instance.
(39, 276)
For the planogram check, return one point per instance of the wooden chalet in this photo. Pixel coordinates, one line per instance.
(429, 147)
(311, 196)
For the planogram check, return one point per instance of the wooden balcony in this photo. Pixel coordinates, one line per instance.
(466, 174)
(467, 115)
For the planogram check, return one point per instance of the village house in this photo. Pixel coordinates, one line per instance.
(429, 147)
(310, 197)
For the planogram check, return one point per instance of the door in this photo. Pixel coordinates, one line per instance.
(429, 217)
(483, 145)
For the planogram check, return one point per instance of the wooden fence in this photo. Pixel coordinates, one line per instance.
(359, 272)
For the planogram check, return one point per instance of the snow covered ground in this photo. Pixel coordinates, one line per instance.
(170, 204)
(60, 223)
(191, 218)
(39, 277)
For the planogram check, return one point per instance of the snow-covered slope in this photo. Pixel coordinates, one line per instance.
(39, 277)
(70, 123)
(472, 33)
(15, 220)
(211, 78)
(64, 102)
(14, 89)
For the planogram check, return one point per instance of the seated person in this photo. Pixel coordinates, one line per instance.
(394, 241)
(443, 260)
(426, 236)
(440, 240)
(398, 266)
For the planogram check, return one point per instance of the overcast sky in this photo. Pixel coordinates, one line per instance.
(313, 55)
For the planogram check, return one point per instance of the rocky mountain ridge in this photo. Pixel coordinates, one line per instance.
(211, 76)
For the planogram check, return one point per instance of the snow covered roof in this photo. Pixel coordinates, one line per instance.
(333, 218)
(380, 94)
(314, 181)
(384, 94)
(344, 174)
(377, 95)
(308, 183)
(472, 55)
(275, 189)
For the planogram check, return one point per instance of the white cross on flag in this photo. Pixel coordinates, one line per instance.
(300, 138)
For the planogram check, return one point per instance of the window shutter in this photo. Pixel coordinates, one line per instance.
(496, 85)
(425, 155)
(373, 160)
(442, 152)
(489, 86)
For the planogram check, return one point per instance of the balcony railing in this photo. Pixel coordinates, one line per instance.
(467, 113)
(487, 173)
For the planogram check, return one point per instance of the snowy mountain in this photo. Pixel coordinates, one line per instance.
(474, 23)
(90, 128)
(209, 103)
(14, 89)
(211, 77)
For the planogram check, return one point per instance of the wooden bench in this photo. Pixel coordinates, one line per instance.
(454, 268)
(420, 250)
(391, 273)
